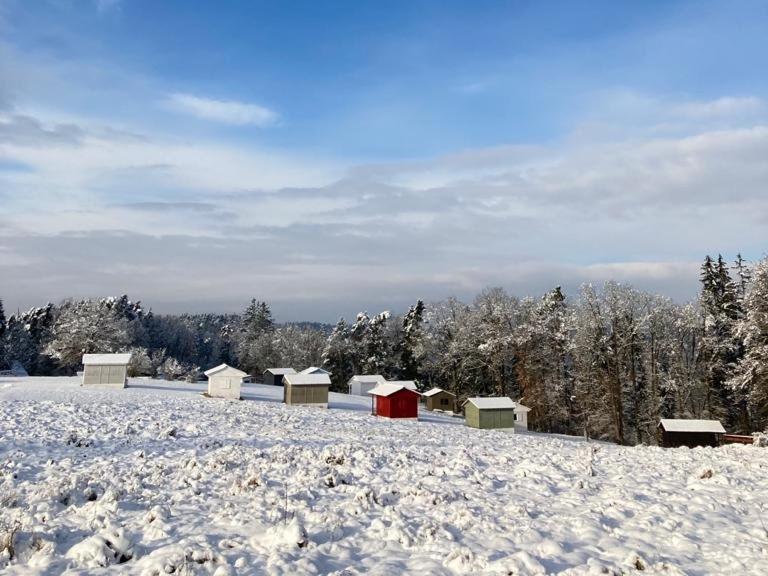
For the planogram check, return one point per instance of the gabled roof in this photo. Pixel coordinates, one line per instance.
(307, 379)
(280, 371)
(368, 378)
(314, 370)
(410, 384)
(434, 391)
(497, 403)
(675, 425)
(389, 388)
(222, 367)
(106, 359)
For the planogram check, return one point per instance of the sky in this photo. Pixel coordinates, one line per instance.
(332, 157)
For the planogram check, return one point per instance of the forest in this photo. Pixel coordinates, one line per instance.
(607, 362)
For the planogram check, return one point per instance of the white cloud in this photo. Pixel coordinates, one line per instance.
(726, 106)
(225, 111)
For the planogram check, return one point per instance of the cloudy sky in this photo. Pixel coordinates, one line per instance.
(336, 156)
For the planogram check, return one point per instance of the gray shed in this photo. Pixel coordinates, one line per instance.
(274, 376)
(105, 370)
(225, 381)
(309, 389)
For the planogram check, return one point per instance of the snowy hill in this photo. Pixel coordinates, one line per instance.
(156, 479)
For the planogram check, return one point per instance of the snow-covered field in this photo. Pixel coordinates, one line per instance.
(156, 479)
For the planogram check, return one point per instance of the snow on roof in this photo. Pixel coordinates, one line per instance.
(106, 359)
(493, 403)
(410, 384)
(675, 425)
(280, 371)
(368, 378)
(389, 388)
(314, 370)
(302, 379)
(434, 391)
(222, 367)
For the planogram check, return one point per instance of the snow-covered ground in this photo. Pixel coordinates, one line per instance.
(156, 479)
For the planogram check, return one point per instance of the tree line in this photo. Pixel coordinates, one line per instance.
(609, 362)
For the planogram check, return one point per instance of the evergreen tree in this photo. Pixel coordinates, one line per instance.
(337, 357)
(751, 374)
(721, 311)
(3, 325)
(377, 355)
(411, 346)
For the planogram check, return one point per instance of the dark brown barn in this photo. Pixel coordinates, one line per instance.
(690, 433)
(439, 399)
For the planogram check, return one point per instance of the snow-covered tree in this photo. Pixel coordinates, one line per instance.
(411, 345)
(750, 376)
(87, 327)
(377, 352)
(337, 357)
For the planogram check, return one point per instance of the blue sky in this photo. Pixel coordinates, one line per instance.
(380, 152)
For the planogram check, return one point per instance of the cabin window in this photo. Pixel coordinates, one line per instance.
(515, 416)
(443, 401)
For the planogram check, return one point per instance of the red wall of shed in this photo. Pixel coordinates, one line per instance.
(402, 404)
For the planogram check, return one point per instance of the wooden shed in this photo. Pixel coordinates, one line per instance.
(225, 381)
(306, 389)
(495, 412)
(674, 433)
(361, 384)
(315, 370)
(394, 400)
(439, 399)
(274, 376)
(105, 370)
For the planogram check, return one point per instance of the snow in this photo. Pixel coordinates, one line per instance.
(671, 425)
(492, 403)
(301, 379)
(156, 479)
(220, 367)
(107, 359)
(389, 388)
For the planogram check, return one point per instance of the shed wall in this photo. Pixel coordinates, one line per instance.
(305, 394)
(224, 387)
(441, 401)
(98, 375)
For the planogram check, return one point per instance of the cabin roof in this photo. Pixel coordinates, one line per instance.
(368, 378)
(107, 359)
(314, 370)
(280, 371)
(497, 403)
(683, 425)
(222, 367)
(301, 379)
(433, 391)
(389, 388)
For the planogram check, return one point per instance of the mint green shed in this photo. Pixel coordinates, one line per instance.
(492, 413)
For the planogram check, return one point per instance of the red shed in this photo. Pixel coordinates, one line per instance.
(395, 400)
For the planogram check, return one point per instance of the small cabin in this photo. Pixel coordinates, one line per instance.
(439, 399)
(674, 433)
(110, 370)
(225, 382)
(496, 412)
(361, 384)
(306, 389)
(315, 370)
(274, 376)
(394, 400)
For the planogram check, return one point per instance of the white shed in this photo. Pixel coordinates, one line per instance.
(361, 384)
(105, 370)
(225, 381)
